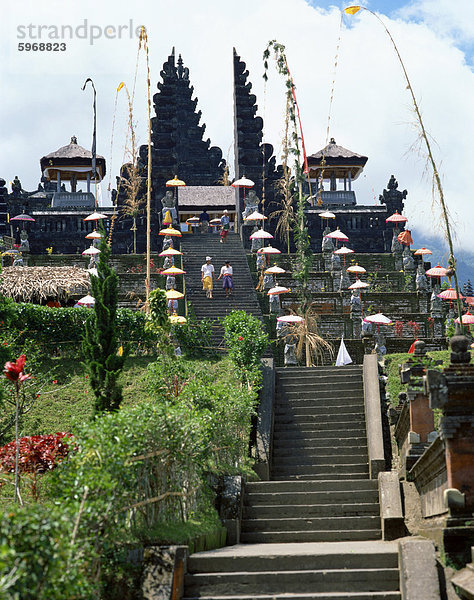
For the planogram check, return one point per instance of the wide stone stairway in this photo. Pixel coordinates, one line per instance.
(195, 248)
(314, 530)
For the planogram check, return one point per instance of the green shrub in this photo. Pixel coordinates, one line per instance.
(246, 340)
(195, 337)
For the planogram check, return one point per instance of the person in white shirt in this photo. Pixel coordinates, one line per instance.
(207, 276)
(226, 274)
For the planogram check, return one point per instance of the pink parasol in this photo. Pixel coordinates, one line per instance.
(467, 319)
(450, 294)
(86, 301)
(261, 235)
(268, 250)
(94, 235)
(290, 319)
(422, 252)
(396, 218)
(437, 272)
(344, 250)
(23, 217)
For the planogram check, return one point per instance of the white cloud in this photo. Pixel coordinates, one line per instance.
(42, 105)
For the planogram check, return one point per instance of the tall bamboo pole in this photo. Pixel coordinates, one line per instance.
(144, 39)
(444, 211)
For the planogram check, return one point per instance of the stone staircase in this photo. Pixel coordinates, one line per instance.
(195, 248)
(313, 531)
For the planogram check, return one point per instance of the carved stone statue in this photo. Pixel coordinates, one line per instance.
(168, 262)
(392, 197)
(345, 281)
(335, 263)
(274, 301)
(290, 355)
(260, 261)
(256, 244)
(436, 305)
(16, 187)
(268, 282)
(356, 305)
(24, 243)
(397, 251)
(92, 262)
(327, 243)
(18, 262)
(167, 242)
(421, 281)
(169, 204)
(408, 261)
(251, 204)
(170, 282)
(380, 347)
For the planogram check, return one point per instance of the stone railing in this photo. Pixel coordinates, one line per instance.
(430, 477)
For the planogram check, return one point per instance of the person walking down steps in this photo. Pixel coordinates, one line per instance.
(207, 276)
(225, 226)
(226, 274)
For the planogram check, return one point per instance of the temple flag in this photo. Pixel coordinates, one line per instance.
(351, 10)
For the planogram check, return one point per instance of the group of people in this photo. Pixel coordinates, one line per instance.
(225, 224)
(208, 276)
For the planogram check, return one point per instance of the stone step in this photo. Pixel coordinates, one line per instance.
(308, 417)
(321, 451)
(285, 511)
(311, 397)
(322, 475)
(291, 537)
(296, 499)
(315, 596)
(329, 369)
(335, 580)
(280, 469)
(309, 486)
(298, 459)
(312, 386)
(328, 435)
(317, 409)
(322, 377)
(318, 425)
(311, 523)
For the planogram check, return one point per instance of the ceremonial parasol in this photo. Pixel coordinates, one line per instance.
(358, 285)
(95, 216)
(450, 294)
(277, 290)
(261, 235)
(327, 215)
(467, 319)
(337, 235)
(170, 252)
(94, 235)
(173, 271)
(91, 250)
(405, 238)
(422, 252)
(437, 272)
(243, 182)
(356, 269)
(175, 183)
(192, 220)
(23, 217)
(177, 320)
(256, 216)
(378, 319)
(268, 250)
(174, 295)
(215, 222)
(396, 218)
(86, 301)
(290, 319)
(274, 271)
(170, 231)
(344, 250)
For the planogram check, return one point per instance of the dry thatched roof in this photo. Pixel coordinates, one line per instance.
(34, 284)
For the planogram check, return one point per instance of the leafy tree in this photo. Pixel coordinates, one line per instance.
(103, 359)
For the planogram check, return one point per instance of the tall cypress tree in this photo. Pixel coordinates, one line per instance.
(102, 360)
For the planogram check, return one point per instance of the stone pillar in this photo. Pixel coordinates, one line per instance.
(452, 391)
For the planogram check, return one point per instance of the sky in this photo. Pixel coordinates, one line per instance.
(42, 104)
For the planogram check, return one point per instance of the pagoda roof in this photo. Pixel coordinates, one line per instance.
(339, 158)
(73, 157)
(71, 151)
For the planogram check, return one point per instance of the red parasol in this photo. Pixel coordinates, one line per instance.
(396, 218)
(405, 238)
(450, 294)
